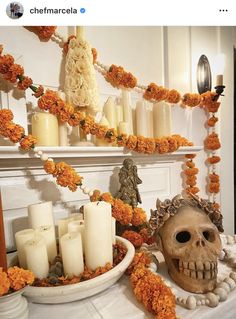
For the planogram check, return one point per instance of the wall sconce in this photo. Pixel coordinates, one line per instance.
(203, 75)
(219, 69)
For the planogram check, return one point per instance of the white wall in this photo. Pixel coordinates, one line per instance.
(164, 55)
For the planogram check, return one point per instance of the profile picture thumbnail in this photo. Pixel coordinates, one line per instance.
(15, 10)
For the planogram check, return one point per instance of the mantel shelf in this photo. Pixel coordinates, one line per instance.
(13, 152)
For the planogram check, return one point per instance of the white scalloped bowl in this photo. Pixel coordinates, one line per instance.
(81, 290)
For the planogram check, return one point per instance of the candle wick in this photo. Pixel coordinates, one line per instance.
(98, 203)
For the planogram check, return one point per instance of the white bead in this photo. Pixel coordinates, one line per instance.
(191, 302)
(82, 187)
(222, 255)
(233, 275)
(224, 285)
(222, 293)
(213, 299)
(39, 153)
(90, 193)
(86, 190)
(153, 266)
(44, 157)
(230, 282)
(230, 240)
(50, 159)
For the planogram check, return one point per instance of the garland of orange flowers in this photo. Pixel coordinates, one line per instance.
(190, 172)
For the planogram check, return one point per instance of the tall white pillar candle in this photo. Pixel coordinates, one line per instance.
(48, 234)
(45, 129)
(98, 238)
(72, 254)
(63, 226)
(21, 238)
(124, 128)
(37, 257)
(113, 230)
(77, 226)
(161, 119)
(150, 122)
(40, 214)
(119, 114)
(141, 119)
(127, 109)
(109, 111)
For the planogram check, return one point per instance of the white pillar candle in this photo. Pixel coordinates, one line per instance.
(63, 134)
(124, 128)
(63, 226)
(141, 119)
(45, 129)
(99, 141)
(127, 109)
(161, 119)
(40, 214)
(113, 230)
(109, 111)
(72, 254)
(37, 257)
(48, 234)
(77, 226)
(119, 114)
(21, 238)
(98, 238)
(219, 80)
(76, 216)
(150, 122)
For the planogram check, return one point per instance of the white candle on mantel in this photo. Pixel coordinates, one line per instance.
(37, 257)
(113, 230)
(62, 127)
(100, 141)
(40, 214)
(98, 237)
(141, 119)
(77, 226)
(124, 128)
(63, 226)
(127, 109)
(219, 80)
(48, 234)
(119, 114)
(150, 123)
(45, 129)
(72, 254)
(109, 111)
(21, 238)
(161, 119)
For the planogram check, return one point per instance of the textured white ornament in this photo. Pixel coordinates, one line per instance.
(213, 299)
(230, 282)
(224, 285)
(191, 302)
(222, 293)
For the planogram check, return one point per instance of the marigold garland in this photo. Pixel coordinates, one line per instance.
(191, 171)
(118, 77)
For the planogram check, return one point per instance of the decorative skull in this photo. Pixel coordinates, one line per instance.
(190, 243)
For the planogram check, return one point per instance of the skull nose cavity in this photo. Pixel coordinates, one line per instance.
(200, 243)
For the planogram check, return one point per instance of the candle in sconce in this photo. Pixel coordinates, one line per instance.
(77, 226)
(21, 237)
(37, 257)
(219, 68)
(161, 119)
(219, 80)
(45, 129)
(113, 230)
(109, 111)
(40, 214)
(72, 254)
(141, 119)
(48, 234)
(98, 234)
(124, 128)
(127, 109)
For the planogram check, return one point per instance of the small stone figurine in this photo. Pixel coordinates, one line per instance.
(129, 180)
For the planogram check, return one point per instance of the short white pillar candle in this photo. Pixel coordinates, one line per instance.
(21, 238)
(48, 234)
(40, 214)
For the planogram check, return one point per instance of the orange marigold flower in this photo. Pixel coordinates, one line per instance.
(131, 142)
(214, 187)
(65, 113)
(144, 232)
(155, 92)
(135, 238)
(190, 164)
(122, 212)
(107, 197)
(96, 196)
(173, 97)
(13, 73)
(95, 55)
(118, 77)
(141, 145)
(45, 32)
(191, 99)
(212, 142)
(182, 141)
(212, 121)
(214, 177)
(4, 282)
(48, 100)
(192, 190)
(6, 61)
(190, 156)
(216, 206)
(6, 116)
(139, 217)
(122, 140)
(191, 171)
(162, 145)
(28, 142)
(150, 145)
(15, 132)
(25, 83)
(191, 180)
(19, 277)
(111, 135)
(39, 91)
(213, 159)
(49, 167)
(86, 124)
(75, 118)
(141, 259)
(173, 144)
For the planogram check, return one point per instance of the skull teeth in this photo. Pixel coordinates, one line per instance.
(198, 270)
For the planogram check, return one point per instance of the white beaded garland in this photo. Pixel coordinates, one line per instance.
(86, 190)
(82, 187)
(213, 299)
(44, 157)
(90, 193)
(191, 302)
(224, 285)
(50, 159)
(222, 293)
(39, 153)
(230, 282)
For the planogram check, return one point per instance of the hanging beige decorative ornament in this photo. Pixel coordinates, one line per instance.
(187, 232)
(80, 81)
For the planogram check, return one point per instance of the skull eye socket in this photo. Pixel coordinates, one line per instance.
(209, 235)
(183, 236)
